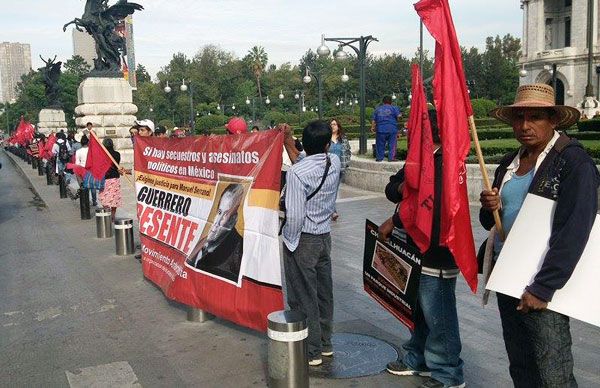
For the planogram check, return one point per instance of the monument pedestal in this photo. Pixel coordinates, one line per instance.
(589, 107)
(107, 103)
(51, 120)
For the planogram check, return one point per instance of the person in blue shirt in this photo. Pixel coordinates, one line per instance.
(384, 123)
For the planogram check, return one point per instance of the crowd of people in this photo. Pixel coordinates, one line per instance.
(547, 163)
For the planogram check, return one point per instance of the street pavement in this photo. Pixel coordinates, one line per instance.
(74, 314)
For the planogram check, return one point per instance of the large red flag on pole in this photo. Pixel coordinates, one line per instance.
(453, 109)
(416, 208)
(97, 162)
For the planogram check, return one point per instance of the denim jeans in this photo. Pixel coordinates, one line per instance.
(310, 288)
(538, 344)
(435, 344)
(380, 141)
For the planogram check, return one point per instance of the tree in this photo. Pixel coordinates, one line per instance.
(77, 66)
(142, 74)
(258, 61)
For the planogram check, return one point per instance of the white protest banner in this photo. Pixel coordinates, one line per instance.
(523, 254)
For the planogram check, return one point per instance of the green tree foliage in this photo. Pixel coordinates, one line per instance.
(257, 58)
(142, 74)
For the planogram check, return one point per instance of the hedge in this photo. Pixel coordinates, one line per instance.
(589, 125)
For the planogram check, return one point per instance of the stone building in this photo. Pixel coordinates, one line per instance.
(555, 36)
(15, 61)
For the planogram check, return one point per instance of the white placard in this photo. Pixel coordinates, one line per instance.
(523, 254)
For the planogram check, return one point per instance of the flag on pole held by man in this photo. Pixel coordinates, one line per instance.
(416, 208)
(453, 107)
(97, 162)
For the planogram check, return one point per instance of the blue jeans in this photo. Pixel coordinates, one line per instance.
(435, 344)
(380, 141)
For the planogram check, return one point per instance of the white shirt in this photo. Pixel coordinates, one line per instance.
(81, 156)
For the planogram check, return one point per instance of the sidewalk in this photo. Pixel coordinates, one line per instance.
(218, 353)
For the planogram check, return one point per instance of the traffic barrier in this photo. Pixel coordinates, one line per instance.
(124, 236)
(288, 357)
(103, 223)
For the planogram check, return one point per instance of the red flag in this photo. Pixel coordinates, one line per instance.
(47, 153)
(97, 162)
(416, 208)
(453, 109)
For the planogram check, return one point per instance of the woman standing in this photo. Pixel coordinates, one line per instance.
(111, 195)
(341, 147)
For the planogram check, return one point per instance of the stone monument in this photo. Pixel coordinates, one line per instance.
(105, 97)
(51, 118)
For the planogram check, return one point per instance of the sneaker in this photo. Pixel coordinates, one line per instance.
(433, 383)
(335, 216)
(327, 353)
(398, 368)
(315, 362)
(138, 257)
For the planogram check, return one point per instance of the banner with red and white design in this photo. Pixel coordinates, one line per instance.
(208, 210)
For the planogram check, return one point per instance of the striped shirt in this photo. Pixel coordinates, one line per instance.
(312, 216)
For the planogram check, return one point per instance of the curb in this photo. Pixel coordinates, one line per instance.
(24, 175)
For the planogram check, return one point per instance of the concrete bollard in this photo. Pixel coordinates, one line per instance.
(62, 185)
(197, 315)
(124, 236)
(84, 204)
(103, 223)
(288, 357)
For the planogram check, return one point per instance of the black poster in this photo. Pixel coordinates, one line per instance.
(391, 272)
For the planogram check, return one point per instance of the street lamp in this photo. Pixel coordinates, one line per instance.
(361, 53)
(319, 76)
(184, 88)
(267, 101)
(281, 96)
(253, 108)
(345, 76)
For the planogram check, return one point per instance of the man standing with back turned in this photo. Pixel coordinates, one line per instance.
(384, 124)
(312, 185)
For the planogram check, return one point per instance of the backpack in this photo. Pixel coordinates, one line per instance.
(63, 152)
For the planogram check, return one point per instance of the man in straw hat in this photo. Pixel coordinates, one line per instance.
(552, 165)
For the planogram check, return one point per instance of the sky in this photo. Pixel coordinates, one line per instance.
(285, 28)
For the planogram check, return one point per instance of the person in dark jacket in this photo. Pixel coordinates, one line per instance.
(551, 165)
(434, 346)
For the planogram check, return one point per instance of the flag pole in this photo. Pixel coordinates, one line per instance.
(111, 158)
(484, 173)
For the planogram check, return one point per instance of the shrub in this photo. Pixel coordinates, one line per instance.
(208, 123)
(166, 123)
(589, 125)
(482, 106)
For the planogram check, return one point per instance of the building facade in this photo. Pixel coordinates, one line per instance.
(84, 46)
(555, 37)
(15, 61)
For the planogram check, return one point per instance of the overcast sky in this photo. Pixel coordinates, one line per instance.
(285, 28)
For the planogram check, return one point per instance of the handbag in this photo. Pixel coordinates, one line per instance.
(91, 183)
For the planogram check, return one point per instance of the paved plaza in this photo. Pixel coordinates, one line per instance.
(74, 314)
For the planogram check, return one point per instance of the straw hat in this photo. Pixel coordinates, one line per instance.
(537, 96)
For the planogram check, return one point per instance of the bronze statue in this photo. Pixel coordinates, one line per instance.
(100, 21)
(51, 74)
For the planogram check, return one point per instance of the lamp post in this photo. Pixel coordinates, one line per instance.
(248, 101)
(361, 53)
(184, 88)
(319, 76)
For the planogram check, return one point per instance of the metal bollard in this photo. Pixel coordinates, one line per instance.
(62, 185)
(197, 315)
(84, 204)
(34, 163)
(288, 357)
(124, 236)
(103, 223)
(40, 167)
(28, 158)
(49, 173)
